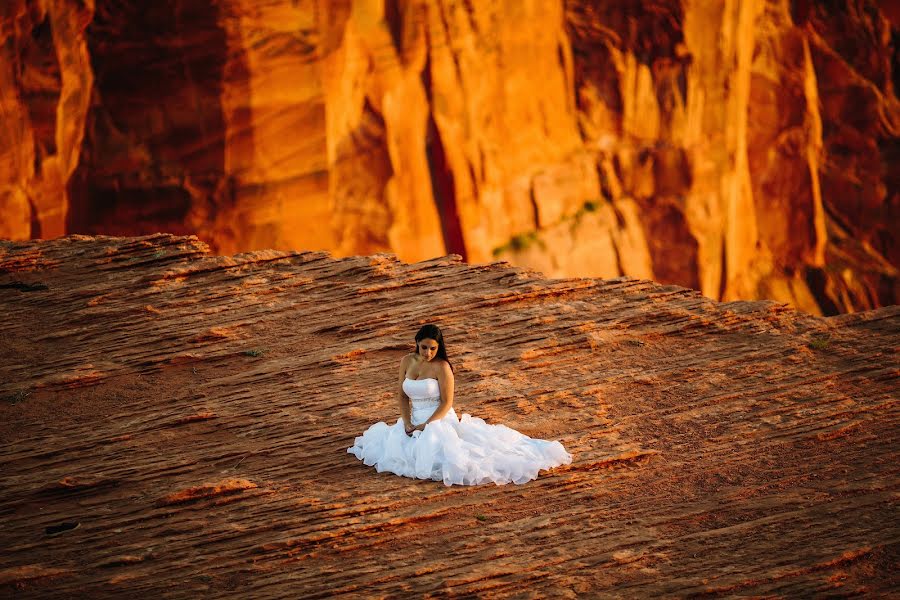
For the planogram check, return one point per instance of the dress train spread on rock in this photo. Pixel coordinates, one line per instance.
(464, 451)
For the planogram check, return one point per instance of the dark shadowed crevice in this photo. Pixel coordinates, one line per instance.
(884, 238)
(444, 190)
(154, 141)
(443, 185)
(800, 10)
(674, 250)
(535, 213)
(394, 19)
(723, 260)
(41, 82)
(35, 222)
(816, 279)
(619, 267)
(895, 62)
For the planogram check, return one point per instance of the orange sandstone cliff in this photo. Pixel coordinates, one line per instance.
(744, 149)
(175, 423)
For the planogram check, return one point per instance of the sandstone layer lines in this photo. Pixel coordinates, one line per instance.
(191, 412)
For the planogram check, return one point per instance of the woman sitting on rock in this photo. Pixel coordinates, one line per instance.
(429, 441)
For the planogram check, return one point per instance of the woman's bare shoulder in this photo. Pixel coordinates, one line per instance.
(407, 359)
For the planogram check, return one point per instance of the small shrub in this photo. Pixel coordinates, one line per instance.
(15, 397)
(821, 343)
(254, 352)
(523, 240)
(520, 242)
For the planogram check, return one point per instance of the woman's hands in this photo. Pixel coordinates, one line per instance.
(409, 428)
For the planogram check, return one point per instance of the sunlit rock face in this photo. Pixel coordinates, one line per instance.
(739, 129)
(746, 149)
(45, 89)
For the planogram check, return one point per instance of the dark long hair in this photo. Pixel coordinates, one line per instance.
(433, 332)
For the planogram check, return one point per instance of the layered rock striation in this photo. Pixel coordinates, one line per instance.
(744, 149)
(175, 423)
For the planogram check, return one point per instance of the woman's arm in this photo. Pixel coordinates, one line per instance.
(402, 398)
(445, 380)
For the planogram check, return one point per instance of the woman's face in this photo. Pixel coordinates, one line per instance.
(427, 348)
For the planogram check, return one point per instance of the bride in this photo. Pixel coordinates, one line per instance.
(429, 441)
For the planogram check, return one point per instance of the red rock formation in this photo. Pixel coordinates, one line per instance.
(744, 149)
(716, 121)
(45, 89)
(178, 421)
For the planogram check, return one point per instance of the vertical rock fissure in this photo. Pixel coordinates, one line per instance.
(724, 274)
(817, 282)
(35, 222)
(535, 213)
(618, 254)
(39, 101)
(443, 185)
(444, 190)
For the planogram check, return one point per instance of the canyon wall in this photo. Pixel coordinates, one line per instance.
(744, 149)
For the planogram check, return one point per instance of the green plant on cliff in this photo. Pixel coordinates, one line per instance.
(819, 343)
(523, 241)
(519, 243)
(575, 219)
(255, 352)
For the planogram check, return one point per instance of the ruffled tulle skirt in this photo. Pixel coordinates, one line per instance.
(464, 451)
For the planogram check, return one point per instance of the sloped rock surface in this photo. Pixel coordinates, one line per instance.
(744, 149)
(174, 423)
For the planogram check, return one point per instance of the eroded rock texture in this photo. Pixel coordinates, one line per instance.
(745, 149)
(190, 413)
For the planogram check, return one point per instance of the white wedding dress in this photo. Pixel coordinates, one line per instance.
(464, 451)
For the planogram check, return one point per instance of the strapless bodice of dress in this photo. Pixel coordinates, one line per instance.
(425, 396)
(422, 389)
